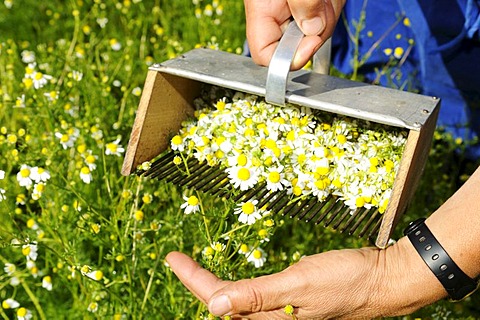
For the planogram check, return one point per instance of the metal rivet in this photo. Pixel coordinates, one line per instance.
(451, 276)
(435, 256)
(417, 124)
(443, 267)
(421, 239)
(425, 111)
(428, 247)
(417, 233)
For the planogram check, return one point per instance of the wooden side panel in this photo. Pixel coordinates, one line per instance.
(166, 101)
(411, 167)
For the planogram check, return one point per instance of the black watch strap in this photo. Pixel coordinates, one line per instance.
(457, 284)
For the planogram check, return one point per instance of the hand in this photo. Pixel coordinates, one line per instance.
(352, 283)
(266, 21)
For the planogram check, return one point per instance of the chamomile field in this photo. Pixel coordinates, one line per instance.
(80, 241)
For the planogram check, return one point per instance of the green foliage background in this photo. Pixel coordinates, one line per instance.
(93, 226)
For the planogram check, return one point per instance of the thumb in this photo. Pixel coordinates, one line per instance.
(310, 15)
(262, 294)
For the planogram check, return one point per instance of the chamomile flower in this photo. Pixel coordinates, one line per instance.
(86, 175)
(96, 275)
(38, 174)
(90, 159)
(24, 314)
(114, 148)
(24, 176)
(28, 56)
(291, 148)
(67, 140)
(248, 212)
(47, 283)
(38, 190)
(30, 251)
(10, 304)
(243, 178)
(9, 268)
(92, 307)
(257, 257)
(275, 178)
(177, 143)
(191, 205)
(2, 174)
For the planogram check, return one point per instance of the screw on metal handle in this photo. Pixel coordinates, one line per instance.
(280, 64)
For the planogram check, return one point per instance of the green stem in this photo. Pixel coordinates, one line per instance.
(34, 300)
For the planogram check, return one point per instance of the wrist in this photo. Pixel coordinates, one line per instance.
(409, 283)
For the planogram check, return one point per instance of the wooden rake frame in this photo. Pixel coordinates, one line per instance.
(171, 87)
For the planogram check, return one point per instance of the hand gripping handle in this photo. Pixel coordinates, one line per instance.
(280, 64)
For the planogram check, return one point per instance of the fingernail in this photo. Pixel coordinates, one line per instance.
(312, 27)
(220, 305)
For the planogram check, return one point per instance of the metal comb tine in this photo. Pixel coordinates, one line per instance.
(168, 169)
(352, 218)
(196, 171)
(317, 208)
(164, 171)
(290, 205)
(249, 194)
(198, 178)
(367, 225)
(210, 177)
(337, 209)
(277, 199)
(260, 196)
(279, 205)
(346, 212)
(358, 221)
(166, 158)
(267, 199)
(181, 176)
(222, 183)
(299, 206)
(240, 195)
(210, 184)
(375, 229)
(324, 214)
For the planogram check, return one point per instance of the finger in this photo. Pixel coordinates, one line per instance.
(200, 282)
(262, 294)
(266, 21)
(311, 43)
(310, 15)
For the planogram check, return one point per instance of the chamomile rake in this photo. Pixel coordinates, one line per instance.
(172, 86)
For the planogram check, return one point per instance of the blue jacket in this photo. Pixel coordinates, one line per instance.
(430, 47)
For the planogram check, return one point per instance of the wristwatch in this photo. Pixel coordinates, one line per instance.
(457, 284)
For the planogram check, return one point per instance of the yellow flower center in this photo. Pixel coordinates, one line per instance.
(112, 147)
(26, 251)
(341, 138)
(90, 159)
(192, 201)
(243, 174)
(360, 202)
(21, 312)
(177, 140)
(274, 177)
(248, 208)
(257, 254)
(25, 172)
(242, 160)
(85, 170)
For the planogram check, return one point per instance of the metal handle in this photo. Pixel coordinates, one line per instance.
(282, 59)
(280, 64)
